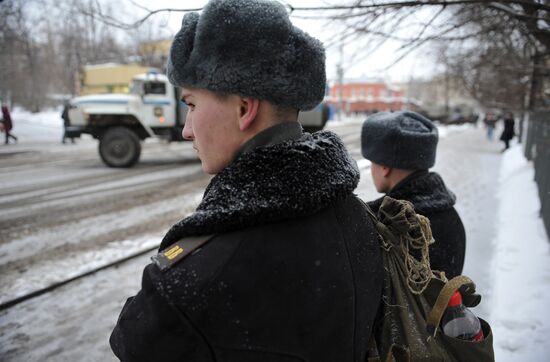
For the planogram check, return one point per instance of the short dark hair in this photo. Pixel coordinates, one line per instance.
(283, 114)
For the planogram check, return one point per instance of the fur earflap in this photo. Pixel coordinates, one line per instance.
(249, 48)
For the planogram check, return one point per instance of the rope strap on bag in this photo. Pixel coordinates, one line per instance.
(398, 218)
(415, 297)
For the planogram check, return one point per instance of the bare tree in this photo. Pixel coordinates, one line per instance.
(499, 49)
(368, 24)
(495, 71)
(21, 56)
(42, 55)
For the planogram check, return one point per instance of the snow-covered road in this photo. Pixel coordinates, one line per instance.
(62, 212)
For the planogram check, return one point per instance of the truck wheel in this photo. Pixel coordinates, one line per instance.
(119, 147)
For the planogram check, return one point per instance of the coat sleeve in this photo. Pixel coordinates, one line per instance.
(151, 329)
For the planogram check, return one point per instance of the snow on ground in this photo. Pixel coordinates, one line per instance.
(43, 126)
(520, 316)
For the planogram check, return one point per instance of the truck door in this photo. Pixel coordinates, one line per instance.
(159, 107)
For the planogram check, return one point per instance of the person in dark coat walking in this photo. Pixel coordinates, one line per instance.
(293, 271)
(8, 124)
(508, 133)
(401, 147)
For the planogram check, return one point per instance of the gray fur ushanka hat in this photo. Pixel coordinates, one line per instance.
(405, 140)
(249, 48)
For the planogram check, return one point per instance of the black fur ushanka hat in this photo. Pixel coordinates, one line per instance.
(249, 48)
(405, 140)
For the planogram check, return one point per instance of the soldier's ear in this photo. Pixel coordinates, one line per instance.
(247, 112)
(386, 171)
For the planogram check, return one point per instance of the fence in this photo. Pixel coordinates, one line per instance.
(537, 148)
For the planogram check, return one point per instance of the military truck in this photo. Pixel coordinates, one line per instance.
(153, 108)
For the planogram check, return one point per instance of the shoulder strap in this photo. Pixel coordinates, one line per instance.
(179, 250)
(380, 227)
(389, 238)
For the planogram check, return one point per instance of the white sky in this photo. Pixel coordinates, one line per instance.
(414, 65)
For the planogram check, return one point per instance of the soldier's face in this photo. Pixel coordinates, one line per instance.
(212, 124)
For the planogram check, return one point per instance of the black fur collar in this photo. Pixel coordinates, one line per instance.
(426, 190)
(287, 180)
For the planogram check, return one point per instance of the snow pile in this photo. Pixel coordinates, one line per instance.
(43, 126)
(446, 130)
(50, 117)
(520, 316)
(363, 164)
(346, 119)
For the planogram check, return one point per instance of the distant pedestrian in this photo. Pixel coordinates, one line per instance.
(508, 133)
(401, 147)
(490, 122)
(8, 124)
(66, 122)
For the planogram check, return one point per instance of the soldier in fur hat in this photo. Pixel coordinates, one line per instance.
(289, 267)
(401, 147)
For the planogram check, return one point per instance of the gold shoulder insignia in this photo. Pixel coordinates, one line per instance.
(179, 250)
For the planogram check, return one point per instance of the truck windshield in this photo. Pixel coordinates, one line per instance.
(154, 88)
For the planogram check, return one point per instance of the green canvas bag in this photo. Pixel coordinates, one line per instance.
(415, 297)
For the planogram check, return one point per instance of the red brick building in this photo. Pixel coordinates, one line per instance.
(368, 96)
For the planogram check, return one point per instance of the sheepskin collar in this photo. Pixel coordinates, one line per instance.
(426, 190)
(287, 180)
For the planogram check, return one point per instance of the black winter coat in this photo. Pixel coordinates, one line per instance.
(294, 272)
(6, 119)
(508, 132)
(431, 198)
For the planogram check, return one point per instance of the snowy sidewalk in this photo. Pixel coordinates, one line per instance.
(521, 266)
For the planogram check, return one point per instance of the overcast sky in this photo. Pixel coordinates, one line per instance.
(417, 64)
